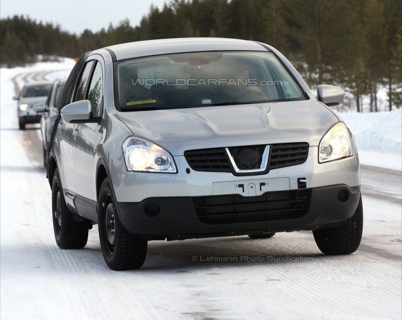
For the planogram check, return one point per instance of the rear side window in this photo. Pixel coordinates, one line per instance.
(82, 84)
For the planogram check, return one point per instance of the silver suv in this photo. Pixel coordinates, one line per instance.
(199, 137)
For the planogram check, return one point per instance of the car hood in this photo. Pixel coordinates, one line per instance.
(32, 100)
(178, 130)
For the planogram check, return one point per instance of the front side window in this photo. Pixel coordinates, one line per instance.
(203, 79)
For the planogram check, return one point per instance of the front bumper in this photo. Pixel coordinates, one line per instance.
(194, 217)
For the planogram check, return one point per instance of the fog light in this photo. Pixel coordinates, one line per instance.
(343, 195)
(151, 209)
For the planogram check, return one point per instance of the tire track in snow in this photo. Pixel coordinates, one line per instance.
(39, 76)
(20, 79)
(15, 84)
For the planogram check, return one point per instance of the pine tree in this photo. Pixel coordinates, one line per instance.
(396, 66)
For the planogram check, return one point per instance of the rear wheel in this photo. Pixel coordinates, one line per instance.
(121, 249)
(344, 239)
(69, 233)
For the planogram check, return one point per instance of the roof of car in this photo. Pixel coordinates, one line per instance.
(178, 45)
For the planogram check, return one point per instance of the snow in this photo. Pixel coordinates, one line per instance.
(285, 277)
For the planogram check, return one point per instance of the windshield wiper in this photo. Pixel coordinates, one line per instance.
(234, 103)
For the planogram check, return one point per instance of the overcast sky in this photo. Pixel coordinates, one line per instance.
(75, 16)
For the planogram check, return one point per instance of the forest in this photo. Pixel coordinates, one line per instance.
(356, 44)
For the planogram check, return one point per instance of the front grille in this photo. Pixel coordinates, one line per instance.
(216, 160)
(211, 160)
(280, 205)
(288, 154)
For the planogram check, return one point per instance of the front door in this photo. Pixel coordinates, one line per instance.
(86, 141)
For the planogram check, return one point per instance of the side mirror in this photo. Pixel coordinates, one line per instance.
(39, 108)
(330, 95)
(16, 98)
(77, 112)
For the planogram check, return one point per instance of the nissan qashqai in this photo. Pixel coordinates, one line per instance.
(199, 137)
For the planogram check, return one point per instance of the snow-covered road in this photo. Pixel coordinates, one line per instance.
(285, 277)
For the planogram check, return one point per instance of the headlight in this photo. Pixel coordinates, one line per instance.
(336, 144)
(23, 106)
(142, 155)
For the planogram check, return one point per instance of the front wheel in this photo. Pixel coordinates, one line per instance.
(344, 239)
(121, 249)
(69, 233)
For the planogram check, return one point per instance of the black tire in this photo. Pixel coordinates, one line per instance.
(265, 235)
(69, 233)
(344, 239)
(21, 125)
(121, 249)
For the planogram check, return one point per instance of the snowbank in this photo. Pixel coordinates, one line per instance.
(378, 137)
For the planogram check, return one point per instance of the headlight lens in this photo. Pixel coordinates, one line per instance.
(142, 155)
(336, 144)
(23, 106)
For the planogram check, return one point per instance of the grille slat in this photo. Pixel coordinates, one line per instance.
(273, 214)
(212, 160)
(216, 160)
(235, 208)
(247, 205)
(288, 154)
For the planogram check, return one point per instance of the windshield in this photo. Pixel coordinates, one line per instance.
(203, 79)
(32, 91)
